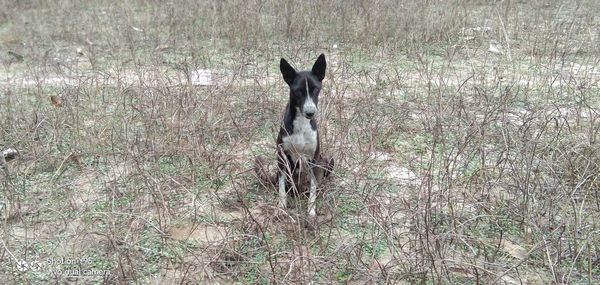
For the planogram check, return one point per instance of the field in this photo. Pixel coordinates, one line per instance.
(465, 134)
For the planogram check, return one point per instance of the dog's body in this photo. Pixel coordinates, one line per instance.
(321, 170)
(298, 145)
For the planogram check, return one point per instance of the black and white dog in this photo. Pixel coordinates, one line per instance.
(298, 145)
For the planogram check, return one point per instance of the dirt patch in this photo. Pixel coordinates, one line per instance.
(204, 234)
(90, 184)
(148, 77)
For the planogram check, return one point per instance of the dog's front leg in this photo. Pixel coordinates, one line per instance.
(312, 198)
(282, 192)
(283, 164)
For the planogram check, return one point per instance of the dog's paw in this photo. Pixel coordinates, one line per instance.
(282, 204)
(311, 222)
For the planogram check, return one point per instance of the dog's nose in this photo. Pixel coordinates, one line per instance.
(309, 115)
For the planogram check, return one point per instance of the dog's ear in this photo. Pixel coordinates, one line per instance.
(318, 68)
(289, 73)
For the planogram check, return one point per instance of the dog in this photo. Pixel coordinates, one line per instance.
(298, 144)
(300, 164)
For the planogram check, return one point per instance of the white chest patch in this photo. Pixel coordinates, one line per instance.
(303, 142)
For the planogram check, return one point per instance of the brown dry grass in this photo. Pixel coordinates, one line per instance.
(454, 163)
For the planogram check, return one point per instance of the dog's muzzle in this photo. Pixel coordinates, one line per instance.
(309, 110)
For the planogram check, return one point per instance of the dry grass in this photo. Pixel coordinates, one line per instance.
(455, 163)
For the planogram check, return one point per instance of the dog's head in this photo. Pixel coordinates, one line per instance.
(304, 85)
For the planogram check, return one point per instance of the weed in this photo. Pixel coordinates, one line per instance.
(466, 134)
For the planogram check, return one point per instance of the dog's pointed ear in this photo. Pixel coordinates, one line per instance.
(288, 72)
(319, 67)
